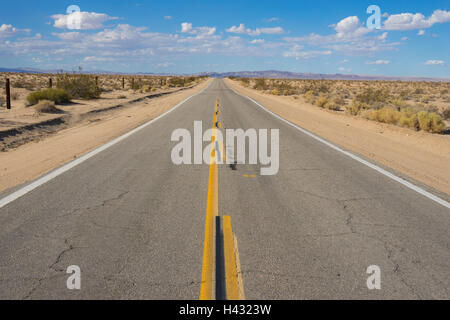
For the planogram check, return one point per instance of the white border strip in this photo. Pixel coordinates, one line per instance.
(351, 155)
(30, 187)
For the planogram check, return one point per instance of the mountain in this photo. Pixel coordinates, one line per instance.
(274, 74)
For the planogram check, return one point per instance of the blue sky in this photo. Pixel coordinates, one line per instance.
(195, 36)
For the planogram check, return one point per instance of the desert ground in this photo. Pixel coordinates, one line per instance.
(326, 108)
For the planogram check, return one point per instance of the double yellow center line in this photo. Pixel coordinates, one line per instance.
(233, 280)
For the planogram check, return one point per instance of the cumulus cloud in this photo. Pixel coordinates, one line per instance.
(187, 27)
(87, 20)
(350, 37)
(435, 63)
(421, 33)
(378, 62)
(410, 21)
(241, 29)
(350, 27)
(7, 30)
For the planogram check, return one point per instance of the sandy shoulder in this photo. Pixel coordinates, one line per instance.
(422, 156)
(34, 159)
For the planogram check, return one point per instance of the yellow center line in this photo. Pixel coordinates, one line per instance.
(212, 209)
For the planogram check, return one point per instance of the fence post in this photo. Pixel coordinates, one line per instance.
(123, 83)
(8, 94)
(50, 83)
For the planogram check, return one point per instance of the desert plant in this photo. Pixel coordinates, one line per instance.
(310, 97)
(356, 107)
(260, 84)
(385, 115)
(56, 95)
(446, 114)
(430, 122)
(322, 102)
(79, 86)
(408, 119)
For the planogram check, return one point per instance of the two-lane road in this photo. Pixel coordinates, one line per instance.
(134, 222)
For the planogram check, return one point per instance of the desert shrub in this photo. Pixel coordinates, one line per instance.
(444, 92)
(310, 97)
(275, 92)
(56, 95)
(176, 82)
(339, 101)
(446, 114)
(356, 107)
(260, 84)
(245, 81)
(46, 106)
(79, 86)
(2, 101)
(430, 122)
(408, 119)
(322, 102)
(122, 97)
(373, 98)
(385, 115)
(418, 91)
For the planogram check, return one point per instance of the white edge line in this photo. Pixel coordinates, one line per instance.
(351, 155)
(40, 181)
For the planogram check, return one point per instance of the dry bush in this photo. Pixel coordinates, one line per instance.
(310, 97)
(322, 102)
(385, 115)
(46, 106)
(356, 107)
(408, 119)
(56, 95)
(2, 101)
(446, 114)
(79, 86)
(430, 122)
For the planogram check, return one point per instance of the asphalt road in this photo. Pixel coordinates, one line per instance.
(134, 222)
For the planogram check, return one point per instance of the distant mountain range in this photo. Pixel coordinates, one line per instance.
(272, 74)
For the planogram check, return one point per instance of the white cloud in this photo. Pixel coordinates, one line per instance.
(379, 62)
(351, 38)
(273, 19)
(168, 17)
(97, 59)
(383, 36)
(409, 21)
(404, 38)
(7, 30)
(257, 41)
(435, 63)
(298, 53)
(88, 20)
(350, 27)
(186, 27)
(243, 30)
(421, 33)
